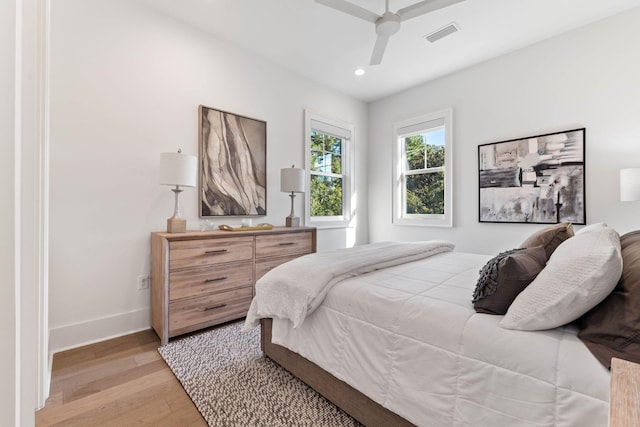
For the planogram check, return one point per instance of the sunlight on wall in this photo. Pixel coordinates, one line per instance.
(350, 237)
(350, 231)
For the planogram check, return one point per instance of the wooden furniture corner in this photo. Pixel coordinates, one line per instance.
(624, 406)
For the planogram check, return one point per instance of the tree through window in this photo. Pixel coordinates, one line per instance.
(329, 169)
(423, 170)
(326, 174)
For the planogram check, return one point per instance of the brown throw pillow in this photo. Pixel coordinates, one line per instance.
(612, 328)
(549, 237)
(506, 275)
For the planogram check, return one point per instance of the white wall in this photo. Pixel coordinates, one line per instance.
(8, 323)
(126, 82)
(586, 78)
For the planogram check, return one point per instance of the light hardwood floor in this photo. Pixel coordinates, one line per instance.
(119, 382)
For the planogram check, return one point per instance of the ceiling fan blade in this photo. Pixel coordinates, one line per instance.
(423, 7)
(351, 9)
(378, 50)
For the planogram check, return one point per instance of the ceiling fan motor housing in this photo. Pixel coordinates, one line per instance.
(388, 24)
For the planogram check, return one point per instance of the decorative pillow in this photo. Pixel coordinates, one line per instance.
(504, 276)
(582, 271)
(612, 328)
(549, 237)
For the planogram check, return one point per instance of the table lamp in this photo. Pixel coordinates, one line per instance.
(179, 170)
(292, 180)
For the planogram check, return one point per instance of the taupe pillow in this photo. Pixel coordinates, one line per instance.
(506, 275)
(612, 328)
(549, 237)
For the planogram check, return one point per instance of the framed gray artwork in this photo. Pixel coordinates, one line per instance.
(232, 153)
(538, 179)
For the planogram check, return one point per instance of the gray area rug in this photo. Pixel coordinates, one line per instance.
(233, 384)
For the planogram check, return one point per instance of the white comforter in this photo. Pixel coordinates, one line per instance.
(295, 289)
(408, 337)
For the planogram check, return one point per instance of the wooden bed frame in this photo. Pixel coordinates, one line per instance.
(340, 393)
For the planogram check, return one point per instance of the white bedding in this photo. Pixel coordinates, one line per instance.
(408, 337)
(281, 293)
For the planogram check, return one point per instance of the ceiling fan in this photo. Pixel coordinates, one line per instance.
(388, 23)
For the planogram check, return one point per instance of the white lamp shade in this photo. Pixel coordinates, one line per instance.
(292, 180)
(178, 169)
(629, 184)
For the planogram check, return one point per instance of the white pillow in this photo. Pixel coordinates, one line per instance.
(580, 273)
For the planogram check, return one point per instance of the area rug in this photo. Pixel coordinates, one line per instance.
(233, 384)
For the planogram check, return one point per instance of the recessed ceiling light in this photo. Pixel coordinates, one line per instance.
(359, 72)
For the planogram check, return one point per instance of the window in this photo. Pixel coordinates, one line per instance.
(328, 166)
(422, 170)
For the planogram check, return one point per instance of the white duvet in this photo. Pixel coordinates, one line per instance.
(408, 337)
(295, 289)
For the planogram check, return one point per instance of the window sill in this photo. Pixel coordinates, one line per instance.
(439, 223)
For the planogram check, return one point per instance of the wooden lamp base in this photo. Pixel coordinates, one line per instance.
(176, 225)
(292, 221)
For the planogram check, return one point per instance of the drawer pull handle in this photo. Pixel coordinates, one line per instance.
(287, 244)
(213, 307)
(217, 252)
(217, 279)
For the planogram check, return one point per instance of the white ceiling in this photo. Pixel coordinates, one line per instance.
(327, 45)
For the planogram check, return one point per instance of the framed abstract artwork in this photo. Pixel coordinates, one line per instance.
(538, 179)
(232, 153)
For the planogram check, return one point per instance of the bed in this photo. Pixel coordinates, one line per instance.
(400, 343)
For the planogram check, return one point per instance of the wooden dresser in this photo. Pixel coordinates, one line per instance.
(200, 279)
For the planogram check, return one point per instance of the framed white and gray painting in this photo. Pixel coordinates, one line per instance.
(539, 179)
(233, 172)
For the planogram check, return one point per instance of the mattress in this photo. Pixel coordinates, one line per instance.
(408, 337)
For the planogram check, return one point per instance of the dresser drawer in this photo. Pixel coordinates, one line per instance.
(268, 264)
(205, 280)
(283, 244)
(200, 252)
(190, 314)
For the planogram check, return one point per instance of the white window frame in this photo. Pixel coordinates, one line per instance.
(411, 127)
(344, 130)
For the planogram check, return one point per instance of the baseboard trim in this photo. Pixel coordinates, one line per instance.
(79, 334)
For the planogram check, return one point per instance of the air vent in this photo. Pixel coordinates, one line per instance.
(442, 32)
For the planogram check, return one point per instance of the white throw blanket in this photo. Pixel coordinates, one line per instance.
(295, 289)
